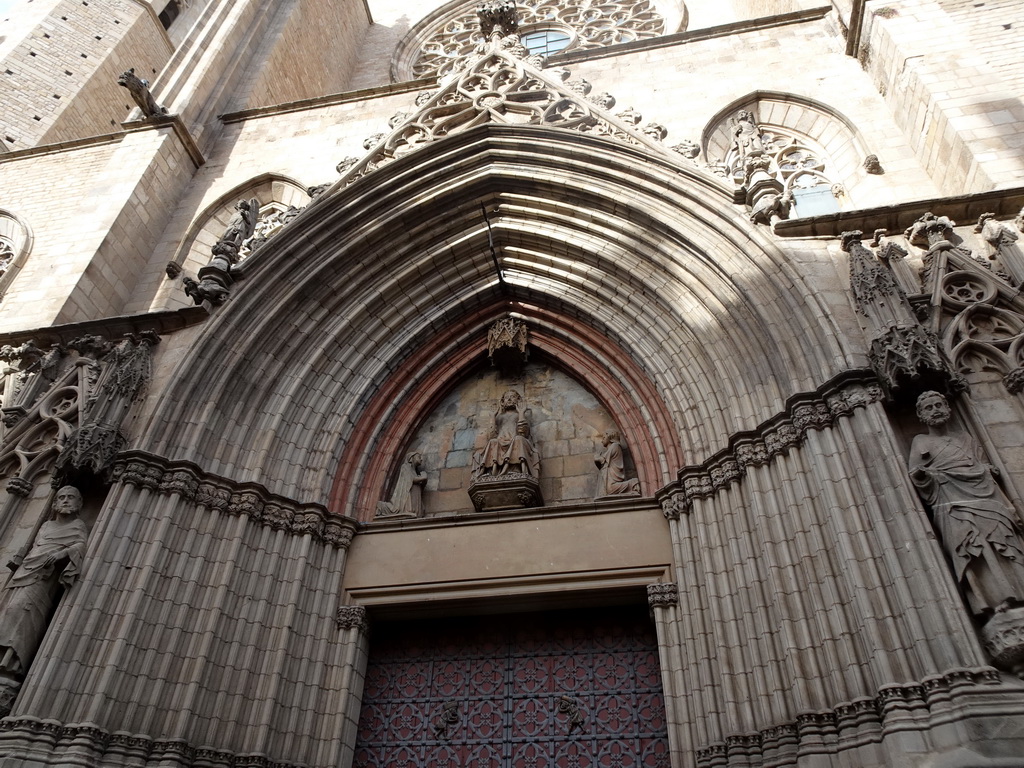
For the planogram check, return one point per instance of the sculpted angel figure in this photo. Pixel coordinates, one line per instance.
(239, 229)
(978, 526)
(509, 449)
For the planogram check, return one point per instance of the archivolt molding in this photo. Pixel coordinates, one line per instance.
(252, 500)
(808, 411)
(380, 436)
(647, 252)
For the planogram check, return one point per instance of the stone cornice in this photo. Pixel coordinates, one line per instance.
(136, 126)
(130, 748)
(896, 218)
(774, 437)
(161, 323)
(279, 513)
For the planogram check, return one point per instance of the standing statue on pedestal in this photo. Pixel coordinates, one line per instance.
(509, 448)
(612, 465)
(27, 602)
(407, 500)
(979, 528)
(746, 135)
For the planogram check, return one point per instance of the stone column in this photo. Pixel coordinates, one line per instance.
(664, 602)
(353, 651)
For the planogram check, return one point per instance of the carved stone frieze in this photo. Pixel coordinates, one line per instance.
(806, 412)
(662, 595)
(828, 726)
(154, 752)
(352, 617)
(222, 495)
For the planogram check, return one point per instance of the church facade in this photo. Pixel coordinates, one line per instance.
(537, 383)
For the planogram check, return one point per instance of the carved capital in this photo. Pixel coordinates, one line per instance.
(1014, 381)
(338, 533)
(352, 617)
(662, 595)
(19, 486)
(182, 482)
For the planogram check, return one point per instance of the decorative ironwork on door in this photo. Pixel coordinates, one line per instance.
(573, 689)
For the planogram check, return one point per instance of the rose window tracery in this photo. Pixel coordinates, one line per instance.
(545, 27)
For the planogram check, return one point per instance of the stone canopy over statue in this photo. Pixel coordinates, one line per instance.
(26, 603)
(506, 472)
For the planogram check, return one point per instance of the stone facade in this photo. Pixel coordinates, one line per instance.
(737, 242)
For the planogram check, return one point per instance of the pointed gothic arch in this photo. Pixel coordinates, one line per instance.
(627, 260)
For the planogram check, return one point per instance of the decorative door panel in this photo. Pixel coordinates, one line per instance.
(572, 689)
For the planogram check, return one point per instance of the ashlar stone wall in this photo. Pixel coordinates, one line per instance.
(60, 82)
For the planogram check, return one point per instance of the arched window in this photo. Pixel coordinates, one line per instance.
(170, 13)
(15, 244)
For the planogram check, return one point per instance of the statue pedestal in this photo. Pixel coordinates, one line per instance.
(512, 490)
(1003, 635)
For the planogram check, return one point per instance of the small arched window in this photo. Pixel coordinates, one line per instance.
(15, 244)
(170, 13)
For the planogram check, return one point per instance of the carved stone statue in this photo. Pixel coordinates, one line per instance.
(27, 601)
(1001, 242)
(240, 228)
(407, 499)
(612, 465)
(979, 528)
(509, 448)
(873, 165)
(746, 135)
(139, 89)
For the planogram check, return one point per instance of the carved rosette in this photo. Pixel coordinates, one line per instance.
(352, 617)
(222, 495)
(662, 595)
